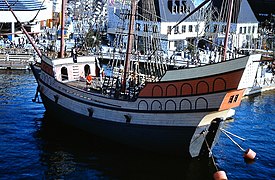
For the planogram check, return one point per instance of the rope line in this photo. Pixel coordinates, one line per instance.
(232, 140)
(232, 134)
(212, 157)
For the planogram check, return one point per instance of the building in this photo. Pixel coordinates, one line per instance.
(246, 35)
(171, 12)
(29, 12)
(243, 29)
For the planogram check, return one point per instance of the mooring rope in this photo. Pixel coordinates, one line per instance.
(232, 140)
(232, 134)
(212, 157)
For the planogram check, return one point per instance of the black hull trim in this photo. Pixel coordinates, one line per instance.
(36, 71)
(164, 139)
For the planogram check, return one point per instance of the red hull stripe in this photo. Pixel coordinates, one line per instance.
(47, 68)
(217, 83)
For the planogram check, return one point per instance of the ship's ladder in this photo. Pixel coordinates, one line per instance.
(76, 72)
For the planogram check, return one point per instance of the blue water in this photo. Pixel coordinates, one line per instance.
(33, 146)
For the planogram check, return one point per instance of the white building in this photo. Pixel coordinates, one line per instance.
(169, 13)
(243, 29)
(247, 28)
(29, 12)
(178, 36)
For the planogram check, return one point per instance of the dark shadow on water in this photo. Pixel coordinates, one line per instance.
(70, 153)
(249, 161)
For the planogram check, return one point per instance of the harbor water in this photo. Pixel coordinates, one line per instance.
(34, 146)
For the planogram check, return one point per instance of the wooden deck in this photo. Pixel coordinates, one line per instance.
(81, 84)
(107, 87)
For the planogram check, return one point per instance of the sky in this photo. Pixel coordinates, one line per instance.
(197, 2)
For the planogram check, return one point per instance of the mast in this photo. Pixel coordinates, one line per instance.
(130, 42)
(231, 2)
(62, 44)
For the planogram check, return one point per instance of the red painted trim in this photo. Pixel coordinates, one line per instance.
(232, 99)
(47, 68)
(221, 82)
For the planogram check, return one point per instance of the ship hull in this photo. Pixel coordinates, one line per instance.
(163, 139)
(153, 138)
(164, 117)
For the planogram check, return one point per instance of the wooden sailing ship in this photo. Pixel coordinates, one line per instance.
(160, 109)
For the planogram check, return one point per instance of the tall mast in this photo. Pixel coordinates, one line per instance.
(231, 2)
(62, 44)
(130, 42)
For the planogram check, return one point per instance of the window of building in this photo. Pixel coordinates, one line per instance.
(169, 29)
(184, 5)
(183, 28)
(138, 26)
(241, 30)
(176, 31)
(197, 28)
(181, 9)
(244, 30)
(155, 28)
(170, 5)
(223, 28)
(146, 28)
(190, 28)
(177, 6)
(174, 10)
(215, 28)
(249, 29)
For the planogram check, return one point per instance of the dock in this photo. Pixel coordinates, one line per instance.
(15, 60)
(261, 85)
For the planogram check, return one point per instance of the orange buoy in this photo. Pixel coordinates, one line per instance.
(220, 175)
(249, 154)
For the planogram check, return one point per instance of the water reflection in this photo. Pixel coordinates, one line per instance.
(67, 153)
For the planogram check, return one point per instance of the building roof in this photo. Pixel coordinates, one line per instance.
(246, 14)
(22, 5)
(242, 12)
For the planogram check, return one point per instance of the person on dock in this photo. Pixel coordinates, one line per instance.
(74, 55)
(102, 74)
(7, 57)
